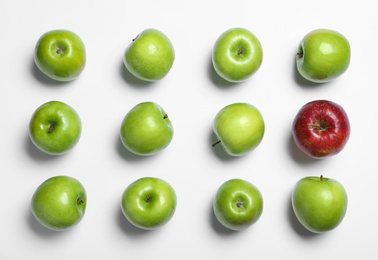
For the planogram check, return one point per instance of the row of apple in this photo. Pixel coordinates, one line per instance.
(319, 203)
(322, 56)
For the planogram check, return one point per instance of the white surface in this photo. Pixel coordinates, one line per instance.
(191, 94)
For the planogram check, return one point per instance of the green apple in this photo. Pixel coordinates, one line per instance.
(149, 203)
(237, 54)
(146, 129)
(323, 55)
(150, 55)
(238, 204)
(59, 203)
(319, 203)
(60, 55)
(55, 128)
(239, 127)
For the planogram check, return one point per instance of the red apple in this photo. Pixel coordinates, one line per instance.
(321, 129)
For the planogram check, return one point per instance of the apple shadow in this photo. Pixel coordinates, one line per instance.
(297, 155)
(125, 154)
(127, 227)
(296, 225)
(43, 79)
(35, 153)
(301, 81)
(131, 80)
(215, 78)
(39, 229)
(217, 226)
(217, 149)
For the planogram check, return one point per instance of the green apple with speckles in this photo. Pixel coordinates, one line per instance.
(55, 128)
(60, 55)
(146, 129)
(238, 204)
(319, 203)
(150, 55)
(149, 203)
(237, 55)
(59, 203)
(239, 128)
(323, 55)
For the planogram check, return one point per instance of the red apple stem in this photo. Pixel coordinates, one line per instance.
(214, 144)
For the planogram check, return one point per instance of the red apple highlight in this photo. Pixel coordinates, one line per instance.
(321, 129)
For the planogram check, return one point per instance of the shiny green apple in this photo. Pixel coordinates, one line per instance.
(237, 54)
(319, 203)
(60, 55)
(238, 204)
(323, 55)
(149, 203)
(55, 128)
(150, 55)
(239, 128)
(59, 203)
(146, 129)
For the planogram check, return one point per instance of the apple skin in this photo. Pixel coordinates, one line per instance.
(323, 55)
(150, 55)
(60, 55)
(59, 203)
(320, 204)
(149, 203)
(55, 128)
(321, 129)
(237, 55)
(146, 129)
(238, 204)
(239, 127)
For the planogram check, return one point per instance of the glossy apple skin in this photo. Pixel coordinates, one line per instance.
(319, 203)
(150, 55)
(238, 204)
(323, 55)
(149, 203)
(321, 129)
(59, 203)
(239, 127)
(60, 55)
(55, 128)
(146, 129)
(237, 55)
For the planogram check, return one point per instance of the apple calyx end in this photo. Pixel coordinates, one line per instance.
(239, 204)
(148, 199)
(214, 144)
(51, 128)
(80, 201)
(240, 52)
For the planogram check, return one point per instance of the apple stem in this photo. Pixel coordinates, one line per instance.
(165, 116)
(51, 127)
(80, 202)
(239, 204)
(321, 177)
(300, 53)
(148, 198)
(214, 144)
(240, 52)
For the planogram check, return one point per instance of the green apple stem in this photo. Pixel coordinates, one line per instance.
(217, 142)
(321, 177)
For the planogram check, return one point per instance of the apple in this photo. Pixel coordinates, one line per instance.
(239, 128)
(321, 129)
(59, 203)
(238, 204)
(150, 55)
(237, 54)
(319, 203)
(149, 203)
(60, 55)
(323, 55)
(146, 129)
(55, 128)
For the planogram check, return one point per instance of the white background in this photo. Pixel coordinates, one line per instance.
(191, 94)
